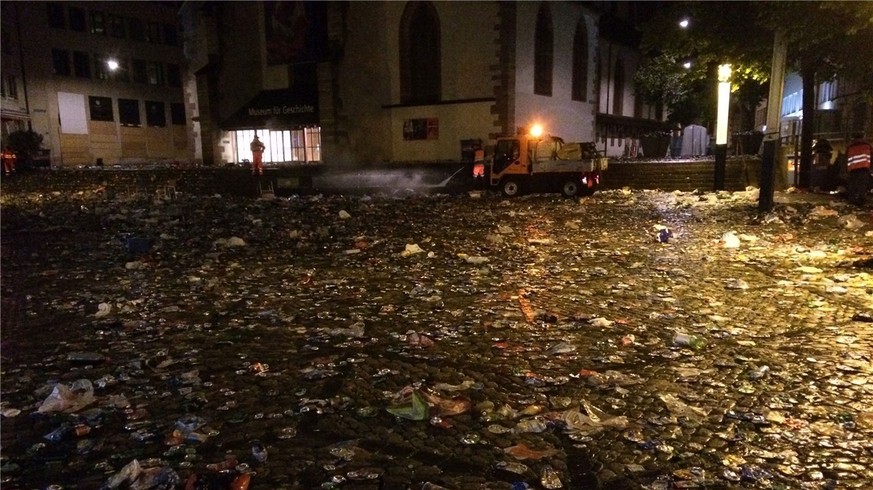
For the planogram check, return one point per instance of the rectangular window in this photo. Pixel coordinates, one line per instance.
(56, 17)
(128, 112)
(101, 108)
(81, 64)
(313, 144)
(101, 67)
(122, 73)
(115, 25)
(171, 36)
(135, 29)
(153, 32)
(9, 88)
(177, 113)
(290, 145)
(61, 62)
(155, 72)
(98, 22)
(174, 75)
(77, 19)
(139, 72)
(155, 114)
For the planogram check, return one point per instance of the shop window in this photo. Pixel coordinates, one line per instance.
(115, 25)
(56, 17)
(580, 62)
(177, 113)
(128, 112)
(136, 29)
(420, 62)
(174, 75)
(139, 72)
(81, 64)
(98, 23)
(155, 114)
(61, 62)
(543, 52)
(9, 86)
(101, 108)
(313, 143)
(77, 19)
(291, 145)
(155, 73)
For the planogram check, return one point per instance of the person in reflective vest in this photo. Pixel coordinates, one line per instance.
(9, 159)
(258, 148)
(479, 168)
(858, 157)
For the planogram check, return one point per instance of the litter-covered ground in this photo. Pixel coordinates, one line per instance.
(634, 339)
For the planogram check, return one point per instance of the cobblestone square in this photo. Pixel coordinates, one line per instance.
(633, 339)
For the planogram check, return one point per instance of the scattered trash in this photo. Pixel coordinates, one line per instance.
(199, 355)
(522, 452)
(411, 249)
(662, 234)
(70, 399)
(730, 240)
(683, 339)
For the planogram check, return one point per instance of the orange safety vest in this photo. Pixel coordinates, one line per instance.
(858, 155)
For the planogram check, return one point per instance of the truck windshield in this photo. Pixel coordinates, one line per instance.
(505, 152)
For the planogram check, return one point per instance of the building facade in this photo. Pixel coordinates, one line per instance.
(101, 82)
(366, 82)
(14, 109)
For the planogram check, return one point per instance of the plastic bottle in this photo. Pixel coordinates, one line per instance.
(687, 340)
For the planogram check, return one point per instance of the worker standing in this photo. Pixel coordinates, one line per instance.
(9, 159)
(258, 148)
(479, 168)
(858, 157)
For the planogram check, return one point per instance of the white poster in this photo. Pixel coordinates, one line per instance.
(71, 108)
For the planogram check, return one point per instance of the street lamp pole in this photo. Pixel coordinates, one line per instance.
(770, 146)
(721, 124)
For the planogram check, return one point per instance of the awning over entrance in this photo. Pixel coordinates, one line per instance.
(275, 109)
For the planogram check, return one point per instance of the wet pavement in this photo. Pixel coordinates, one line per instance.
(633, 339)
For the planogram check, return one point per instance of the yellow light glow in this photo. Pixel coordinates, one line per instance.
(536, 131)
(724, 95)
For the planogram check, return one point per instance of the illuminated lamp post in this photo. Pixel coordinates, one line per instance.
(721, 124)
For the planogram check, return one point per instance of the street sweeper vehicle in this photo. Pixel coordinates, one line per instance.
(534, 162)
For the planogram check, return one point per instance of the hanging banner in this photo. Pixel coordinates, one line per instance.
(296, 32)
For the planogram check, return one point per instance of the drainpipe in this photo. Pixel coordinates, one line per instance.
(23, 72)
